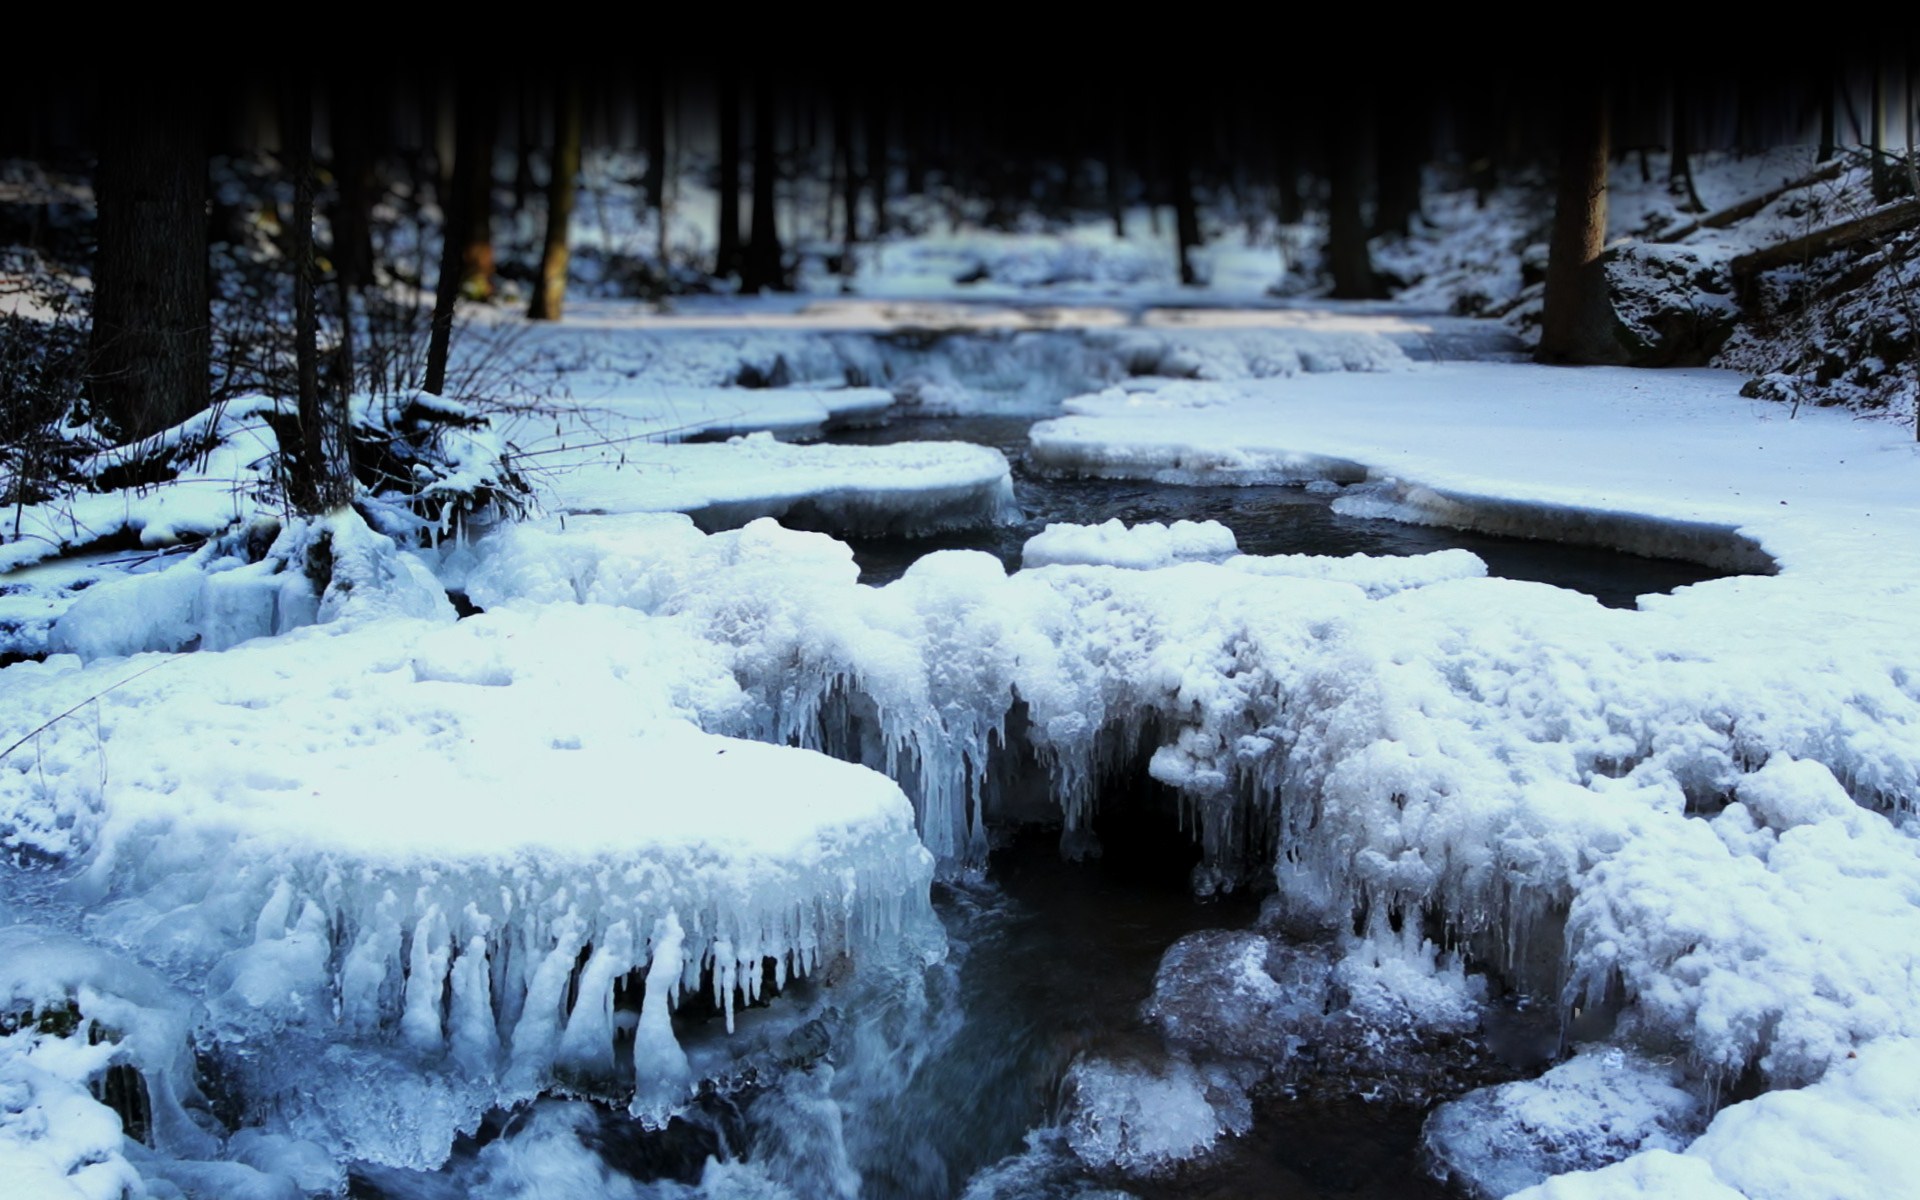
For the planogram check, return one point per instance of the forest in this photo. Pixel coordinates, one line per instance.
(716, 629)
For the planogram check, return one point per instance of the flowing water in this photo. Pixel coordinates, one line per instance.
(1264, 520)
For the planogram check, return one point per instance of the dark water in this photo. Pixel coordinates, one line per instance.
(1264, 520)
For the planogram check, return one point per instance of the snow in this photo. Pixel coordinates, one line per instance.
(1141, 1118)
(1141, 547)
(1600, 1106)
(271, 822)
(383, 851)
(1845, 1136)
(903, 489)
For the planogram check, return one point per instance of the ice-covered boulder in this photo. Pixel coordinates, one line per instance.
(1603, 1105)
(1141, 1118)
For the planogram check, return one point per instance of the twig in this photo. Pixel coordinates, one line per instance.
(51, 721)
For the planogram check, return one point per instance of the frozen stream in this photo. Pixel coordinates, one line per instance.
(1050, 964)
(1264, 520)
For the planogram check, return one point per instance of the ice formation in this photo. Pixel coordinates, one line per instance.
(273, 822)
(1143, 546)
(1600, 1106)
(903, 489)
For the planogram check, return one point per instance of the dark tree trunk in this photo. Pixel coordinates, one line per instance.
(1877, 135)
(727, 256)
(763, 270)
(150, 346)
(523, 117)
(354, 187)
(1577, 322)
(1829, 135)
(654, 182)
(315, 483)
(1348, 260)
(1680, 167)
(1404, 146)
(1186, 215)
(469, 141)
(1117, 169)
(877, 173)
(473, 163)
(550, 290)
(849, 179)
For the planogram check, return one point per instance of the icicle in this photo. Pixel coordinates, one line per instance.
(475, 1038)
(587, 1042)
(661, 1073)
(538, 1029)
(421, 1025)
(371, 967)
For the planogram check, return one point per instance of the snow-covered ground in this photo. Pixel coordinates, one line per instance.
(268, 799)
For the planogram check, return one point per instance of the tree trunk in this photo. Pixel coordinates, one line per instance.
(150, 353)
(655, 180)
(550, 291)
(877, 173)
(315, 482)
(727, 253)
(353, 181)
(1348, 260)
(473, 163)
(1186, 215)
(1403, 154)
(1680, 144)
(1877, 134)
(454, 242)
(763, 270)
(1577, 323)
(849, 179)
(1829, 139)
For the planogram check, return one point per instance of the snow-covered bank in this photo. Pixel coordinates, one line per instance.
(1673, 463)
(494, 852)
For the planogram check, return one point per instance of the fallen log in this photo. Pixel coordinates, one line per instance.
(1751, 205)
(1892, 219)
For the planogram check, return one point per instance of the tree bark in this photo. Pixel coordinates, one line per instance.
(473, 163)
(353, 181)
(1404, 146)
(1577, 323)
(1348, 259)
(315, 482)
(150, 353)
(727, 252)
(1680, 156)
(763, 269)
(454, 242)
(1186, 214)
(550, 291)
(654, 182)
(1833, 238)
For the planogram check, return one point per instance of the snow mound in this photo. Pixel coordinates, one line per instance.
(1603, 1105)
(1140, 1118)
(909, 488)
(225, 593)
(1377, 576)
(1846, 1137)
(1144, 546)
(494, 847)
